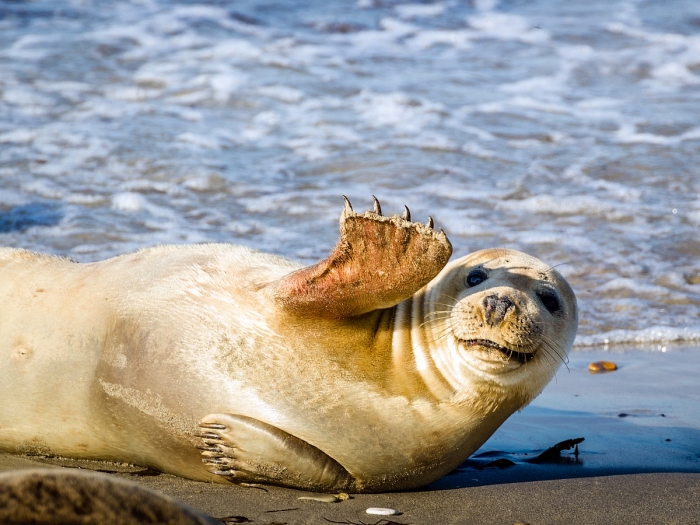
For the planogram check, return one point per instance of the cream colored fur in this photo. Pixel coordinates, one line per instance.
(120, 359)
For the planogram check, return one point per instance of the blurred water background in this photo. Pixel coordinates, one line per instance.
(568, 130)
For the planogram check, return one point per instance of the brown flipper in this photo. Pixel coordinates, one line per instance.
(377, 263)
(246, 450)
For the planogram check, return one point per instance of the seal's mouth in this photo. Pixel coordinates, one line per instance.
(510, 355)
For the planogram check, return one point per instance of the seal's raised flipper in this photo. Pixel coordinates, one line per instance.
(378, 262)
(246, 450)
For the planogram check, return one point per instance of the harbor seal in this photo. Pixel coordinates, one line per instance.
(380, 368)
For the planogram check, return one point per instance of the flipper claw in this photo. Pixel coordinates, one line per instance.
(348, 206)
(207, 435)
(213, 426)
(377, 206)
(430, 223)
(209, 448)
(406, 214)
(214, 461)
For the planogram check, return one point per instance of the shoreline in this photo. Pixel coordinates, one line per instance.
(616, 498)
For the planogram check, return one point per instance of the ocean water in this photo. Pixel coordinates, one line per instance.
(568, 130)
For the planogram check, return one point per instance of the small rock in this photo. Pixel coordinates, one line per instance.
(342, 496)
(601, 367)
(379, 511)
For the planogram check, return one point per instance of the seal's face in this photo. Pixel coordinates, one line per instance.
(504, 317)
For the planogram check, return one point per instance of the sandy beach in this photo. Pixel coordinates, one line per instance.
(630, 498)
(639, 462)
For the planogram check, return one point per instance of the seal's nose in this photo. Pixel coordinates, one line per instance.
(495, 309)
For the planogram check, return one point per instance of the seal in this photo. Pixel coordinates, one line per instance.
(380, 368)
(53, 496)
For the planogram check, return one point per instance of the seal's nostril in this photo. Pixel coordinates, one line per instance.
(495, 308)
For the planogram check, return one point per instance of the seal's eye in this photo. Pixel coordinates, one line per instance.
(550, 301)
(476, 276)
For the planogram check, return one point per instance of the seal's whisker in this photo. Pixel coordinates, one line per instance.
(442, 334)
(548, 356)
(443, 311)
(431, 321)
(444, 296)
(435, 316)
(437, 310)
(449, 296)
(434, 320)
(558, 265)
(438, 314)
(548, 344)
(556, 348)
(451, 305)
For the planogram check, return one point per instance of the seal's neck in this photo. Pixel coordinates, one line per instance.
(412, 353)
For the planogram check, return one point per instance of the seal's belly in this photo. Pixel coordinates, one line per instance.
(49, 348)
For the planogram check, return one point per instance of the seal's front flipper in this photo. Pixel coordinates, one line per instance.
(378, 262)
(246, 450)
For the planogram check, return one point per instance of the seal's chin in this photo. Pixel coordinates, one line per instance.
(490, 351)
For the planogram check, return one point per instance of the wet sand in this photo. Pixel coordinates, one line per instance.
(639, 462)
(633, 498)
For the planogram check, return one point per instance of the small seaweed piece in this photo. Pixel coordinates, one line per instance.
(553, 454)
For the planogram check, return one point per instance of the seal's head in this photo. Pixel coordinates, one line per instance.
(502, 322)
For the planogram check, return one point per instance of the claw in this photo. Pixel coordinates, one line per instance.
(377, 207)
(224, 472)
(348, 206)
(207, 435)
(430, 223)
(406, 213)
(212, 454)
(213, 426)
(214, 461)
(209, 448)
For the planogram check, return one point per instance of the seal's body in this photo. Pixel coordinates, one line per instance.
(362, 373)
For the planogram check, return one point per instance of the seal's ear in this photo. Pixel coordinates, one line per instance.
(378, 262)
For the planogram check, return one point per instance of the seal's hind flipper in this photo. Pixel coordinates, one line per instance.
(246, 450)
(378, 262)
